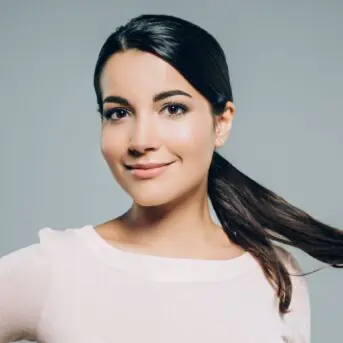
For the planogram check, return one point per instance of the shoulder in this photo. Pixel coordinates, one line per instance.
(298, 320)
(28, 258)
(48, 239)
(25, 276)
(24, 280)
(39, 253)
(293, 266)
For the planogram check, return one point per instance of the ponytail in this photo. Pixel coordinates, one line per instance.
(253, 217)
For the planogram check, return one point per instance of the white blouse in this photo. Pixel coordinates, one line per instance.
(74, 287)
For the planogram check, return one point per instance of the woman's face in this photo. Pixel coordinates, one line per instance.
(152, 129)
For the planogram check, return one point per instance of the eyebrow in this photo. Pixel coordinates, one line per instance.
(157, 97)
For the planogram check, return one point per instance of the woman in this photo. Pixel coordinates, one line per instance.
(163, 270)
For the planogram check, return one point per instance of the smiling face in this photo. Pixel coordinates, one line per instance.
(140, 117)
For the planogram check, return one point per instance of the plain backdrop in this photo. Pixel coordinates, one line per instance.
(285, 60)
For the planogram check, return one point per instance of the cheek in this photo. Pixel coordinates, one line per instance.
(111, 150)
(194, 140)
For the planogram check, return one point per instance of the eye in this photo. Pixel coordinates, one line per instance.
(120, 112)
(175, 109)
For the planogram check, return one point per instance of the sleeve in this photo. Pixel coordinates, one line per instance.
(298, 320)
(23, 287)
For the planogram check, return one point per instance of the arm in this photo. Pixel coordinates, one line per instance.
(23, 284)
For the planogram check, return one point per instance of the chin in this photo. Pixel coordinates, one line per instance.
(151, 200)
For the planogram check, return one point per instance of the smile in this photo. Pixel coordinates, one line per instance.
(148, 173)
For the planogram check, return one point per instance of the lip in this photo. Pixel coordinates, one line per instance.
(150, 165)
(149, 173)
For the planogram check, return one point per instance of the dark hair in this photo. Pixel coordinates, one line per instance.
(251, 215)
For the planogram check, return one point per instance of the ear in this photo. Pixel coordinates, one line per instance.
(223, 124)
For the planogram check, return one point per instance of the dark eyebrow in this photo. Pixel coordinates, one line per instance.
(157, 97)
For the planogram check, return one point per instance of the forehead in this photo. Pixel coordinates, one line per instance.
(135, 73)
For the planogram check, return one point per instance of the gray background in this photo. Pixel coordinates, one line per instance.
(285, 59)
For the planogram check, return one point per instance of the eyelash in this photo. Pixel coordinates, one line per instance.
(107, 114)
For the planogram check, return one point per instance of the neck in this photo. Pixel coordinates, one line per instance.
(183, 224)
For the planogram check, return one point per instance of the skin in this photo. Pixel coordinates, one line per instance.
(170, 213)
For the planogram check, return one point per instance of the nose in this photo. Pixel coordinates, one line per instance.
(144, 135)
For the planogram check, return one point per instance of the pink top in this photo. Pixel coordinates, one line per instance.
(74, 287)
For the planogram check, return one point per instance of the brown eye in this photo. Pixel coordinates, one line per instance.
(176, 109)
(118, 112)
